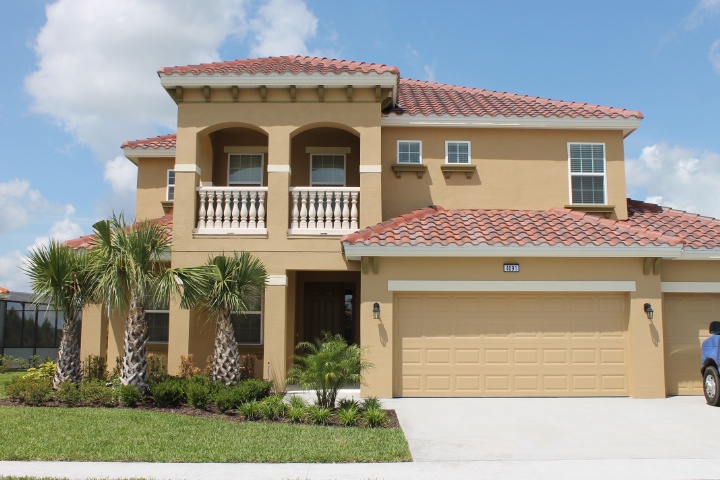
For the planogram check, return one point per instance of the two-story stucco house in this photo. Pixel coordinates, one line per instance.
(475, 243)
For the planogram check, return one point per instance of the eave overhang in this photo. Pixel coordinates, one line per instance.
(134, 154)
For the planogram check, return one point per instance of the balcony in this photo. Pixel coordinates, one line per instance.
(231, 210)
(324, 210)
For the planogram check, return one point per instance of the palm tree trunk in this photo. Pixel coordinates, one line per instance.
(134, 365)
(69, 367)
(226, 358)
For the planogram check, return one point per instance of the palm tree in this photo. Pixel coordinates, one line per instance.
(236, 284)
(131, 266)
(59, 276)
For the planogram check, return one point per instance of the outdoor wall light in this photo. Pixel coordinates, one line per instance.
(376, 311)
(648, 311)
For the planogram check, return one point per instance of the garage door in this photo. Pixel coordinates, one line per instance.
(510, 344)
(686, 317)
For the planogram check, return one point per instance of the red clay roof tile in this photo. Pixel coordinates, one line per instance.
(162, 141)
(84, 241)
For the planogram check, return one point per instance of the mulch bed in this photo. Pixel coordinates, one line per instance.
(210, 412)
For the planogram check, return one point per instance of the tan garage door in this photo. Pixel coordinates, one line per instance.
(510, 344)
(686, 317)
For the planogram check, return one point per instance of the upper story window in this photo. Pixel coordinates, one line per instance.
(248, 325)
(327, 170)
(587, 173)
(245, 169)
(457, 152)
(409, 151)
(170, 194)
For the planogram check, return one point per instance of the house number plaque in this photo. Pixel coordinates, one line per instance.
(511, 267)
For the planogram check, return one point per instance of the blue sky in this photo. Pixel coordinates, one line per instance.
(80, 78)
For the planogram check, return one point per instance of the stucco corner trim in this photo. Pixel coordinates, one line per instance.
(690, 287)
(278, 168)
(277, 280)
(509, 286)
(187, 167)
(370, 168)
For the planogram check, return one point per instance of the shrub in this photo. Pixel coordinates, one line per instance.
(156, 367)
(226, 399)
(296, 414)
(5, 362)
(33, 390)
(247, 366)
(169, 392)
(371, 402)
(129, 395)
(348, 416)
(250, 410)
(347, 403)
(253, 389)
(273, 408)
(295, 401)
(374, 417)
(198, 394)
(35, 361)
(329, 365)
(187, 367)
(69, 393)
(96, 392)
(95, 368)
(118, 368)
(46, 370)
(318, 415)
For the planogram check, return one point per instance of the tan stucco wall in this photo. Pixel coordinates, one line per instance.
(690, 271)
(152, 186)
(516, 169)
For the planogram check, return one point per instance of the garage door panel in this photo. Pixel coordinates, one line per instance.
(496, 353)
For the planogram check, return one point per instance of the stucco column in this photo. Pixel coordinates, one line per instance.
(275, 357)
(94, 334)
(376, 336)
(370, 176)
(647, 352)
(178, 335)
(190, 159)
(278, 168)
(116, 337)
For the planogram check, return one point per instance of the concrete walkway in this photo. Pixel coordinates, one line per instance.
(559, 438)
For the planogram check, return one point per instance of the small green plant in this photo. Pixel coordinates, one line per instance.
(33, 390)
(96, 392)
(374, 417)
(187, 367)
(254, 389)
(129, 395)
(69, 394)
(371, 402)
(95, 368)
(348, 416)
(297, 414)
(250, 410)
(46, 370)
(296, 401)
(348, 402)
(157, 367)
(198, 392)
(273, 408)
(6, 362)
(35, 361)
(226, 399)
(318, 415)
(168, 393)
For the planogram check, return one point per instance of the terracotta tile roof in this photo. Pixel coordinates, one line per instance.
(4, 291)
(163, 141)
(695, 231)
(427, 98)
(435, 226)
(291, 64)
(84, 241)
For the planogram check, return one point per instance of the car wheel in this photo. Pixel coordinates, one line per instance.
(711, 386)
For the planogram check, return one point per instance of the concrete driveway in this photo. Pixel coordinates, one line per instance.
(541, 429)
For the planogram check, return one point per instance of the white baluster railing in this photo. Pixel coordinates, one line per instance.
(234, 210)
(323, 210)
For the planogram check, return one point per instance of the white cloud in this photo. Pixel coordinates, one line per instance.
(11, 277)
(282, 27)
(703, 10)
(121, 174)
(714, 55)
(677, 177)
(20, 205)
(429, 73)
(60, 231)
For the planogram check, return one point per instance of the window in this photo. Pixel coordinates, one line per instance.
(170, 196)
(327, 170)
(158, 325)
(409, 151)
(245, 169)
(248, 324)
(457, 152)
(587, 173)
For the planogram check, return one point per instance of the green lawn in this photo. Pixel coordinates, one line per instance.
(5, 378)
(112, 435)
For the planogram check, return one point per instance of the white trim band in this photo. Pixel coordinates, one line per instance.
(133, 154)
(509, 286)
(313, 80)
(277, 280)
(370, 168)
(690, 287)
(187, 167)
(278, 168)
(617, 123)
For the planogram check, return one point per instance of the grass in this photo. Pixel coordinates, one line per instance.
(5, 378)
(116, 435)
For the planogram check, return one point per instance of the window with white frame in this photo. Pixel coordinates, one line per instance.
(587, 173)
(327, 170)
(170, 193)
(157, 319)
(248, 324)
(409, 151)
(245, 169)
(457, 152)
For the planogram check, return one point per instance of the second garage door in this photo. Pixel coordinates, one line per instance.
(510, 344)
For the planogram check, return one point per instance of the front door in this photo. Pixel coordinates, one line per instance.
(329, 307)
